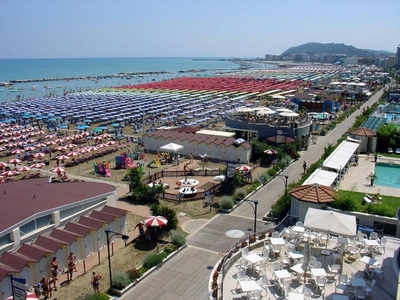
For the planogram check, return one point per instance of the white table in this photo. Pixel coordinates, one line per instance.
(187, 191)
(282, 274)
(371, 244)
(189, 182)
(254, 258)
(369, 261)
(298, 229)
(248, 286)
(295, 296)
(299, 271)
(357, 282)
(339, 297)
(277, 241)
(295, 255)
(318, 272)
(166, 185)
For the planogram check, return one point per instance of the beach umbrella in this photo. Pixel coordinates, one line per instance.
(306, 258)
(59, 140)
(111, 143)
(9, 173)
(30, 148)
(62, 157)
(49, 143)
(31, 141)
(73, 154)
(93, 148)
(31, 296)
(38, 165)
(2, 149)
(156, 221)
(20, 144)
(57, 170)
(18, 151)
(83, 150)
(23, 169)
(61, 148)
(50, 136)
(102, 145)
(270, 152)
(14, 161)
(243, 168)
(10, 145)
(70, 146)
(39, 155)
(41, 145)
(40, 132)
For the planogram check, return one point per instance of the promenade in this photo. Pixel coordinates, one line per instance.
(186, 275)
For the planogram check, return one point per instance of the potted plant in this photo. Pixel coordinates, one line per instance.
(252, 239)
(261, 236)
(244, 244)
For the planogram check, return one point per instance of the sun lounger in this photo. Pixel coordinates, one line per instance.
(390, 150)
(367, 200)
(397, 150)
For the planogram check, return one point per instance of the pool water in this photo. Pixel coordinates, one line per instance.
(388, 175)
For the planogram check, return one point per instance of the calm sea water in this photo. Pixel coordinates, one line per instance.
(12, 69)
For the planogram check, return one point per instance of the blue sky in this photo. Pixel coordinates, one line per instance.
(203, 28)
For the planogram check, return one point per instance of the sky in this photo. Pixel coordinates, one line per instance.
(188, 28)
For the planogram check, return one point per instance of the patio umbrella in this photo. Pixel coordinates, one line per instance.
(10, 173)
(2, 165)
(30, 148)
(270, 152)
(29, 295)
(57, 170)
(243, 168)
(62, 157)
(306, 259)
(38, 165)
(39, 155)
(23, 169)
(156, 221)
(18, 151)
(111, 143)
(14, 161)
(73, 154)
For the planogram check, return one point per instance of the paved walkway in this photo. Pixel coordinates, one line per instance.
(186, 276)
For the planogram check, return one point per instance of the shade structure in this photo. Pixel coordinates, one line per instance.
(171, 147)
(219, 178)
(23, 169)
(270, 152)
(38, 165)
(156, 221)
(14, 161)
(331, 222)
(31, 296)
(39, 155)
(9, 173)
(62, 157)
(243, 168)
(57, 170)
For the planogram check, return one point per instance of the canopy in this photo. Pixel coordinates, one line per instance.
(331, 222)
(171, 147)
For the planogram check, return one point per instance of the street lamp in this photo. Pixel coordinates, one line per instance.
(286, 184)
(255, 202)
(123, 237)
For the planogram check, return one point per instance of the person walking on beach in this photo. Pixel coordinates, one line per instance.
(70, 271)
(96, 282)
(304, 167)
(72, 257)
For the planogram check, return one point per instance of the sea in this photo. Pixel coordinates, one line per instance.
(139, 70)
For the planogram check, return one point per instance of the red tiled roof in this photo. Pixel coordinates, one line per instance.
(114, 211)
(362, 131)
(90, 222)
(102, 216)
(13, 260)
(21, 199)
(35, 253)
(64, 236)
(314, 193)
(52, 245)
(77, 228)
(5, 270)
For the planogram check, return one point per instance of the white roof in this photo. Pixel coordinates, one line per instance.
(217, 133)
(321, 177)
(341, 155)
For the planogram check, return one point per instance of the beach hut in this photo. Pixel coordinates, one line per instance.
(98, 236)
(119, 217)
(85, 249)
(71, 243)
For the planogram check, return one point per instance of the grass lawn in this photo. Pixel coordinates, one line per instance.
(353, 201)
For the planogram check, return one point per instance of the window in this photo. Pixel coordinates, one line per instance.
(4, 240)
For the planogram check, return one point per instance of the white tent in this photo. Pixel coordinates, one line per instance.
(171, 147)
(331, 222)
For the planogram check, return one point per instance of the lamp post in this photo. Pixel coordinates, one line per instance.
(286, 177)
(255, 202)
(203, 156)
(124, 238)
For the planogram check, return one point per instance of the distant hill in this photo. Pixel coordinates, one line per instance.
(333, 48)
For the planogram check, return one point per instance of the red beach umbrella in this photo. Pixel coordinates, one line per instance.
(156, 221)
(18, 151)
(243, 168)
(39, 155)
(10, 173)
(62, 157)
(23, 169)
(73, 154)
(14, 161)
(49, 143)
(37, 166)
(57, 170)
(270, 152)
(111, 143)
(30, 148)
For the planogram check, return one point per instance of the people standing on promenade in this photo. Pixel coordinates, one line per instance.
(70, 271)
(44, 283)
(54, 264)
(304, 167)
(95, 281)
(72, 257)
(54, 274)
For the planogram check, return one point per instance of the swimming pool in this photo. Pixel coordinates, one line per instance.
(388, 175)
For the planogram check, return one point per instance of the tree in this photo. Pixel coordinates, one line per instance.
(139, 190)
(238, 180)
(388, 136)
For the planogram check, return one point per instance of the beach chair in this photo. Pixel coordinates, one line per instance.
(390, 150)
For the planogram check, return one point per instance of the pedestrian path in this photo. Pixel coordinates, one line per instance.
(186, 276)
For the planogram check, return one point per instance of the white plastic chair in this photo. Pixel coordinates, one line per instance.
(276, 250)
(320, 283)
(300, 224)
(255, 296)
(276, 266)
(265, 252)
(380, 271)
(265, 283)
(240, 276)
(360, 294)
(341, 283)
(334, 270)
(245, 251)
(307, 293)
(243, 264)
(370, 286)
(275, 235)
(261, 268)
(382, 245)
(374, 236)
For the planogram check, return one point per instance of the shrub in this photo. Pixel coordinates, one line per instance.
(136, 273)
(178, 239)
(240, 193)
(99, 296)
(271, 172)
(120, 280)
(226, 202)
(169, 248)
(152, 260)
